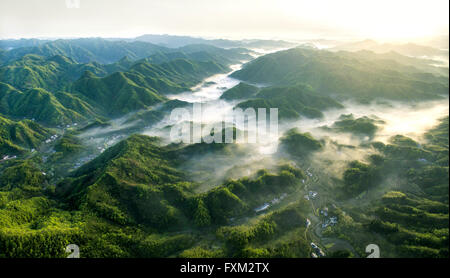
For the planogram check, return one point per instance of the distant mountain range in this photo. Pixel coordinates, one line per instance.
(179, 41)
(101, 50)
(409, 49)
(86, 50)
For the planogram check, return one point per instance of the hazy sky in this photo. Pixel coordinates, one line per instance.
(380, 19)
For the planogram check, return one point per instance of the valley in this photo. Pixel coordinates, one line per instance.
(360, 155)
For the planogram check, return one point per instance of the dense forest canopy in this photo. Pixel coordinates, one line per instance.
(85, 157)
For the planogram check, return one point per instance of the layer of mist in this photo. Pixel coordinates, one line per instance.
(244, 159)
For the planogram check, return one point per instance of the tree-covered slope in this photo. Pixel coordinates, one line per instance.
(37, 87)
(103, 51)
(363, 126)
(132, 202)
(136, 180)
(37, 104)
(411, 215)
(240, 91)
(175, 75)
(15, 136)
(57, 90)
(52, 73)
(115, 94)
(292, 101)
(343, 74)
(299, 144)
(88, 50)
(143, 85)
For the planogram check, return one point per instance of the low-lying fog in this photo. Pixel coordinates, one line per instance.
(411, 120)
(405, 119)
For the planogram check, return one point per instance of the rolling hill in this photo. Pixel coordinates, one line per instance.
(344, 75)
(16, 136)
(37, 104)
(58, 90)
(292, 101)
(143, 85)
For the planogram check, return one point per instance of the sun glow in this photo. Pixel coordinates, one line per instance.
(385, 20)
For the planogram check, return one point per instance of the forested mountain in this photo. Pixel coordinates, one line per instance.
(88, 50)
(40, 105)
(292, 102)
(143, 85)
(15, 136)
(154, 194)
(106, 51)
(53, 73)
(344, 75)
(87, 156)
(57, 87)
(414, 218)
(137, 182)
(240, 91)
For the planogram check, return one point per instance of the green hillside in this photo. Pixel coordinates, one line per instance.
(37, 104)
(363, 126)
(344, 75)
(299, 144)
(15, 136)
(115, 94)
(292, 102)
(57, 90)
(135, 198)
(240, 91)
(77, 166)
(143, 85)
(202, 53)
(173, 76)
(412, 217)
(53, 73)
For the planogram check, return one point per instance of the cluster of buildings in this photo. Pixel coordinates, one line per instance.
(51, 139)
(67, 126)
(317, 252)
(311, 195)
(331, 221)
(265, 206)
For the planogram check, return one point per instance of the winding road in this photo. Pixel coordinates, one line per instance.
(316, 234)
